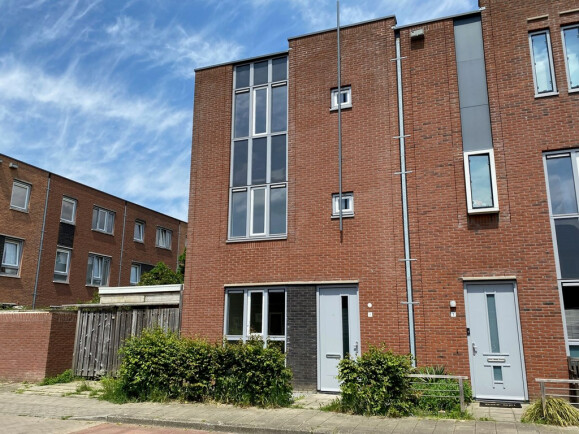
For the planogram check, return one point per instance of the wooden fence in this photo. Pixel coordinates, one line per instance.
(101, 331)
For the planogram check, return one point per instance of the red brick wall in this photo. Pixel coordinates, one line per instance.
(35, 344)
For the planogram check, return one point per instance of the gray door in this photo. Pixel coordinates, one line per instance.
(496, 361)
(338, 333)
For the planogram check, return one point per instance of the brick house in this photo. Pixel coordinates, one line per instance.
(60, 239)
(460, 241)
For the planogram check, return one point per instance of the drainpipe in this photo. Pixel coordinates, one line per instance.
(41, 244)
(122, 245)
(403, 172)
(339, 123)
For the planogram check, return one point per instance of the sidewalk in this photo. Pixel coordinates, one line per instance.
(48, 402)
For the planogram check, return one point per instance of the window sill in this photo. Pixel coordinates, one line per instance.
(67, 222)
(344, 107)
(61, 282)
(139, 241)
(25, 211)
(103, 232)
(249, 240)
(164, 248)
(483, 211)
(12, 276)
(344, 216)
(574, 90)
(544, 95)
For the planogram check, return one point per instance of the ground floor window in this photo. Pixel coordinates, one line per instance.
(571, 306)
(256, 313)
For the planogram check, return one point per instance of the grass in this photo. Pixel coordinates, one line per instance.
(334, 406)
(112, 391)
(66, 377)
(558, 412)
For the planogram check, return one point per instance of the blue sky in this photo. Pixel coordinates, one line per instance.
(101, 91)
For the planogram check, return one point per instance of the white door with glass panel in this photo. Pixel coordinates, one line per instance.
(494, 340)
(338, 333)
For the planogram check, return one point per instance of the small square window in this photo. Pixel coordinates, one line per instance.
(11, 257)
(103, 220)
(347, 204)
(20, 196)
(139, 233)
(62, 265)
(163, 238)
(481, 184)
(345, 98)
(571, 47)
(135, 274)
(542, 63)
(68, 210)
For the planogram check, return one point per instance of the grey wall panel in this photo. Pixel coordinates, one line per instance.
(468, 38)
(476, 128)
(471, 74)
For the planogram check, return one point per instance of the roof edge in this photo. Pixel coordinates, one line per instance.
(462, 14)
(333, 29)
(248, 59)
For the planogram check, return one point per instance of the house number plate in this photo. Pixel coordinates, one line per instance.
(496, 360)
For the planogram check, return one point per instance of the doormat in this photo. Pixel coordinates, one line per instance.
(500, 404)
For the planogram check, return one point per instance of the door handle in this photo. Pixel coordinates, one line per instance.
(474, 349)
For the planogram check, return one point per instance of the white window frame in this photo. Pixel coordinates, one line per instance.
(551, 65)
(25, 186)
(104, 280)
(246, 315)
(108, 214)
(346, 212)
(265, 211)
(66, 273)
(253, 100)
(12, 266)
(570, 89)
(74, 204)
(138, 268)
(165, 231)
(345, 90)
(141, 224)
(486, 210)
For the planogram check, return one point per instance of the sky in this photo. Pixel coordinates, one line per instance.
(101, 91)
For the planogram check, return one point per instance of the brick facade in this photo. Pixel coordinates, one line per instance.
(449, 245)
(82, 240)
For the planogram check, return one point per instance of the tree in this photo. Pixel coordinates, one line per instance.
(160, 274)
(181, 262)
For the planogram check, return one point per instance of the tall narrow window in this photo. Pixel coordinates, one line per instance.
(68, 210)
(542, 62)
(139, 231)
(20, 196)
(135, 274)
(98, 269)
(571, 46)
(481, 188)
(11, 257)
(62, 265)
(258, 182)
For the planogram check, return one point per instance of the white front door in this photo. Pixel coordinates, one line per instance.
(338, 333)
(495, 348)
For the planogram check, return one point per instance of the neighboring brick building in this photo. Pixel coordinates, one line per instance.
(90, 238)
(480, 156)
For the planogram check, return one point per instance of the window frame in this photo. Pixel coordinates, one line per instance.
(141, 224)
(246, 333)
(74, 205)
(563, 28)
(28, 188)
(108, 214)
(551, 64)
(166, 231)
(60, 273)
(136, 266)
(106, 259)
(344, 90)
(347, 212)
(468, 187)
(18, 265)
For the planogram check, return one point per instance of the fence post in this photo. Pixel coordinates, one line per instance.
(461, 391)
(542, 384)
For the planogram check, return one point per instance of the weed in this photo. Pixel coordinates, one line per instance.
(557, 412)
(335, 406)
(66, 377)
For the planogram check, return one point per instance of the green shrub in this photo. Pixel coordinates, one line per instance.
(376, 383)
(439, 394)
(113, 390)
(157, 366)
(66, 377)
(558, 412)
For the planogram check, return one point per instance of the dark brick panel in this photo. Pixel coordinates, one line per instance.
(66, 235)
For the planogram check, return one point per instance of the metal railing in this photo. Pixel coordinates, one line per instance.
(563, 389)
(440, 393)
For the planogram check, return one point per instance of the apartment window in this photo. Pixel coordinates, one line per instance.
(68, 210)
(481, 184)
(542, 63)
(62, 265)
(103, 220)
(135, 274)
(164, 238)
(139, 232)
(571, 47)
(11, 257)
(98, 269)
(20, 196)
(344, 98)
(258, 181)
(255, 312)
(347, 204)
